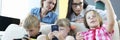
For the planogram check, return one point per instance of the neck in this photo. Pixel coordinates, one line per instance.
(77, 14)
(94, 27)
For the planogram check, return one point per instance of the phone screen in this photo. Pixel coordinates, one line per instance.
(55, 28)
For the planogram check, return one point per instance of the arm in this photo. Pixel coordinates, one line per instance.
(110, 15)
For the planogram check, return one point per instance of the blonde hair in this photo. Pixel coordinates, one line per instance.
(96, 13)
(65, 23)
(31, 21)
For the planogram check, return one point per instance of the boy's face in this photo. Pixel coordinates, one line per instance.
(77, 6)
(33, 31)
(92, 19)
(64, 31)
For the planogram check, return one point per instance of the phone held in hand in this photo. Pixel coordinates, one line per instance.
(55, 28)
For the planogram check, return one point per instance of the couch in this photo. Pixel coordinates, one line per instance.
(15, 31)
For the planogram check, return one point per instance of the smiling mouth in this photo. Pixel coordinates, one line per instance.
(92, 21)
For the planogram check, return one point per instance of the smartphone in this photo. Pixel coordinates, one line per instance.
(55, 28)
(18, 39)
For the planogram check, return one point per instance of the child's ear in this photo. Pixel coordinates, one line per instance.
(38, 25)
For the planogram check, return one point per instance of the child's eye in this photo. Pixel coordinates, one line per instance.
(88, 17)
(30, 30)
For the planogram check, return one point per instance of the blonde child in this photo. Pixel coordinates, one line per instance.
(65, 32)
(32, 27)
(98, 30)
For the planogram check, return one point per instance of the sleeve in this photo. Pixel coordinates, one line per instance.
(34, 11)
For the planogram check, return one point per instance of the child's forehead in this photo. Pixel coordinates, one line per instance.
(90, 13)
(31, 27)
(63, 26)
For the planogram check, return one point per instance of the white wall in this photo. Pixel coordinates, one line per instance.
(18, 8)
(0, 6)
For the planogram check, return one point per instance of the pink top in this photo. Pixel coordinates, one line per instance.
(97, 34)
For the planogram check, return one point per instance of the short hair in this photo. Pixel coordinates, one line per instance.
(31, 21)
(63, 22)
(54, 6)
(96, 13)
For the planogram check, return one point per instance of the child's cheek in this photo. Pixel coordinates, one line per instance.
(64, 33)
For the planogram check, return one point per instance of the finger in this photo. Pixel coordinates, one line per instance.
(78, 33)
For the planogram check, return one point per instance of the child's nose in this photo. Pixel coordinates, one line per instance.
(78, 7)
(91, 17)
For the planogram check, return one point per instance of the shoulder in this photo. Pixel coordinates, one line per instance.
(69, 38)
(42, 37)
(35, 10)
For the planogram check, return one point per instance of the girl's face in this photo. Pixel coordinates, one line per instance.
(77, 6)
(92, 19)
(49, 4)
(64, 31)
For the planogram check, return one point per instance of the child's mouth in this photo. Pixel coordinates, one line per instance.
(92, 22)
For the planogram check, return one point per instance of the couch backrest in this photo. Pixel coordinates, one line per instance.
(13, 31)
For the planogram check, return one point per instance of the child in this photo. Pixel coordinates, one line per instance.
(64, 33)
(32, 27)
(93, 21)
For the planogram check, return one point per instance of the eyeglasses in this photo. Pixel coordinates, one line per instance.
(77, 4)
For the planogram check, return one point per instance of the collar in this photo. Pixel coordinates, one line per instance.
(94, 28)
(33, 37)
(36, 35)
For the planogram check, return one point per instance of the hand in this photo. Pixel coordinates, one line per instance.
(46, 9)
(58, 35)
(50, 35)
(44, 12)
(79, 36)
